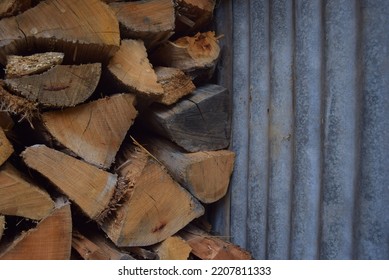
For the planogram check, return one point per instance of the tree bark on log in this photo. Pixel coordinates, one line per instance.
(19, 66)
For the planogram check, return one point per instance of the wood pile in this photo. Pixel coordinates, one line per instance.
(113, 135)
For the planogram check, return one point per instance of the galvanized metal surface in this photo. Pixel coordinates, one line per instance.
(309, 83)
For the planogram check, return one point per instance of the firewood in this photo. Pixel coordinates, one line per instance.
(50, 240)
(155, 208)
(151, 21)
(173, 248)
(199, 121)
(208, 247)
(94, 131)
(61, 86)
(18, 66)
(13, 7)
(142, 253)
(20, 197)
(84, 30)
(86, 185)
(16, 105)
(97, 247)
(193, 15)
(197, 56)
(2, 226)
(6, 148)
(205, 175)
(132, 71)
(175, 84)
(6, 122)
(86, 248)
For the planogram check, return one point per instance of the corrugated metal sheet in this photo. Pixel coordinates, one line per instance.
(309, 83)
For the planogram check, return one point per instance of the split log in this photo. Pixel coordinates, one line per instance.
(6, 122)
(193, 15)
(84, 30)
(86, 248)
(142, 253)
(197, 56)
(89, 187)
(154, 208)
(50, 240)
(16, 105)
(208, 247)
(12, 7)
(6, 148)
(173, 248)
(132, 71)
(18, 66)
(19, 197)
(175, 84)
(97, 247)
(94, 131)
(61, 86)
(200, 121)
(205, 175)
(151, 21)
(2, 226)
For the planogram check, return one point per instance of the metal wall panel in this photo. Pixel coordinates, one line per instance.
(309, 82)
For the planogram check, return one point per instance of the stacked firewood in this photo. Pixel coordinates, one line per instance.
(113, 137)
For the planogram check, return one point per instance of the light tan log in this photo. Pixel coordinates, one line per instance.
(13, 7)
(86, 248)
(16, 105)
(193, 15)
(86, 185)
(95, 130)
(151, 21)
(50, 240)
(173, 248)
(97, 247)
(84, 30)
(155, 206)
(131, 70)
(2, 226)
(6, 148)
(195, 55)
(206, 175)
(175, 84)
(208, 247)
(61, 86)
(18, 66)
(19, 197)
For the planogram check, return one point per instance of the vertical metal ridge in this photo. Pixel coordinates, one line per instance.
(340, 131)
(281, 128)
(307, 139)
(240, 122)
(258, 142)
(372, 225)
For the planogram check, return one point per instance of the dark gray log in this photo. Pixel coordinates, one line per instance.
(200, 121)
